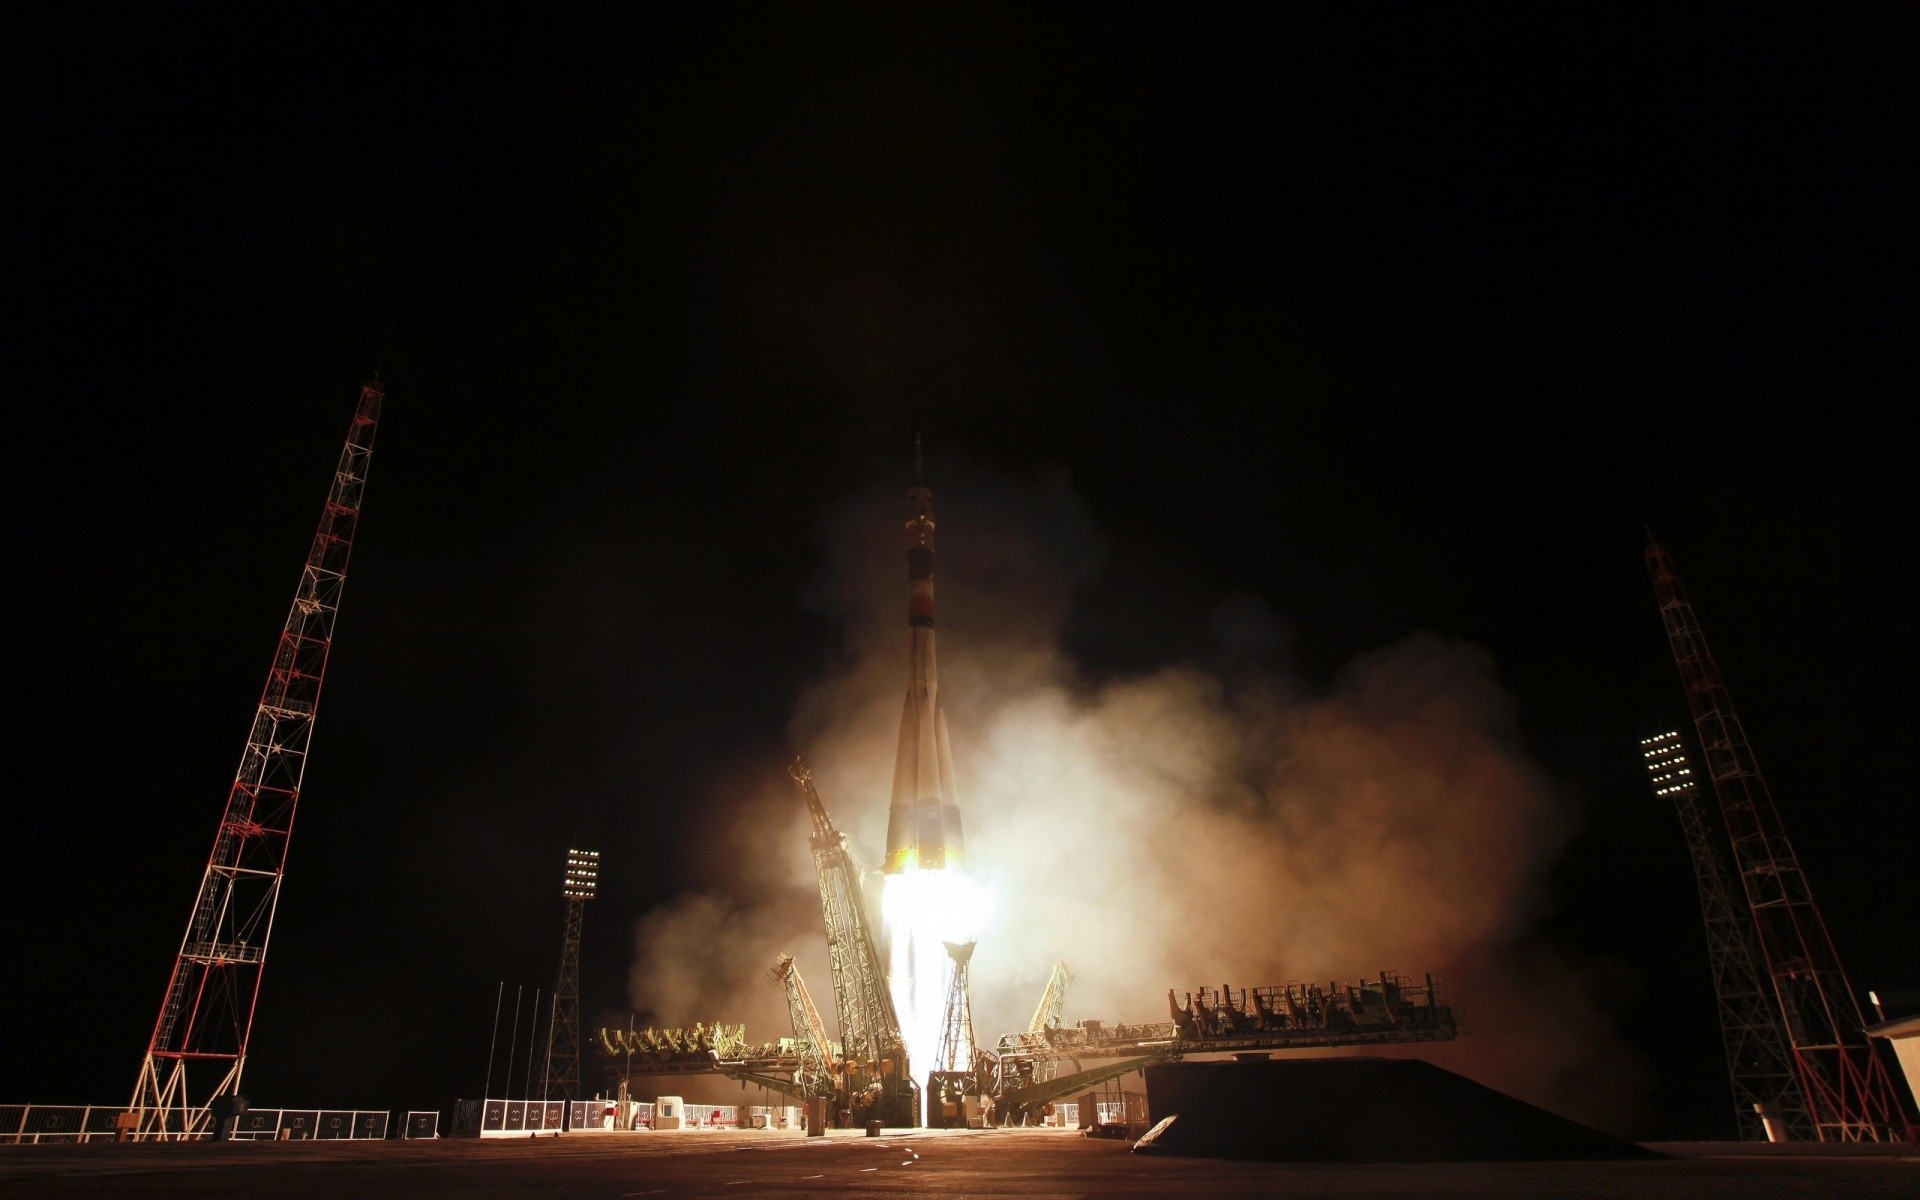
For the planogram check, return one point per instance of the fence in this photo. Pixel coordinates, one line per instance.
(300, 1124)
(37, 1124)
(514, 1118)
(34, 1124)
(521, 1118)
(420, 1125)
(607, 1116)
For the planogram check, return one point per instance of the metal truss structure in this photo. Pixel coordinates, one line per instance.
(1850, 1094)
(955, 1050)
(1377, 1012)
(198, 1049)
(1294, 1016)
(813, 1074)
(1046, 1015)
(695, 1049)
(960, 1068)
(1751, 1029)
(562, 1074)
(873, 1051)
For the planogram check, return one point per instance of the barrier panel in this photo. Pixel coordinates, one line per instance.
(300, 1124)
(37, 1124)
(508, 1118)
(420, 1125)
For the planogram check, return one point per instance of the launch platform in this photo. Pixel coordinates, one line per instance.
(930, 1163)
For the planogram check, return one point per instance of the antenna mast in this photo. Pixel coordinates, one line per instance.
(206, 1013)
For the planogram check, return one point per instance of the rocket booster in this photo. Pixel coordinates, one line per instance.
(923, 819)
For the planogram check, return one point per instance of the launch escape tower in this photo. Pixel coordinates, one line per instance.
(871, 1046)
(1752, 1032)
(198, 1049)
(1850, 1094)
(579, 885)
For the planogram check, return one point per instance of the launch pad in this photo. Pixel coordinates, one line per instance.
(919, 1163)
(907, 1055)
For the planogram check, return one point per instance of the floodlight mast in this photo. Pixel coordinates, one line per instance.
(579, 885)
(1766, 1086)
(198, 1048)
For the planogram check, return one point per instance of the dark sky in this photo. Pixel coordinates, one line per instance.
(1397, 323)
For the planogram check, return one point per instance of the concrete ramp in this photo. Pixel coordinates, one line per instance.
(1354, 1110)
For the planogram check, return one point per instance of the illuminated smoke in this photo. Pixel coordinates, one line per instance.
(1172, 828)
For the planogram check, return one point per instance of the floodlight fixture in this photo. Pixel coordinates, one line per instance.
(583, 874)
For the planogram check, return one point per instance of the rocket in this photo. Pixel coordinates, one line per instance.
(923, 819)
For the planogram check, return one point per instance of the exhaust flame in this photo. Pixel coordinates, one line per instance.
(921, 911)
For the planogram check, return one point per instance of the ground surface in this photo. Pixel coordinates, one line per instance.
(1031, 1164)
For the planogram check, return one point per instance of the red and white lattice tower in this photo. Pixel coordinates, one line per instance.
(199, 1044)
(1850, 1093)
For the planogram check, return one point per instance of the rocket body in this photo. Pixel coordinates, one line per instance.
(923, 818)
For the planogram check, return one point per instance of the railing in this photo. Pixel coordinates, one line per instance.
(504, 1118)
(300, 1124)
(35, 1124)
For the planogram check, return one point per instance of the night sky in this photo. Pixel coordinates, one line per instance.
(1399, 323)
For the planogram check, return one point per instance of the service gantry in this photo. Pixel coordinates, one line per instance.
(1046, 1014)
(872, 1049)
(198, 1048)
(818, 1069)
(1850, 1094)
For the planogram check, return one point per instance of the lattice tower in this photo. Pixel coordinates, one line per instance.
(1752, 1031)
(1850, 1093)
(870, 1038)
(956, 1048)
(814, 1076)
(579, 885)
(1046, 1015)
(198, 1049)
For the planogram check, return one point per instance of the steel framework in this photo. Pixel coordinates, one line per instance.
(1751, 1029)
(1850, 1094)
(578, 886)
(871, 1044)
(1293, 1016)
(206, 1012)
(814, 1074)
(956, 1046)
(1046, 1015)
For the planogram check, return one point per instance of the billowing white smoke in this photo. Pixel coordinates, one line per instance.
(1176, 828)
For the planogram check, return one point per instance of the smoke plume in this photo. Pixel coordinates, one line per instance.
(1183, 827)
